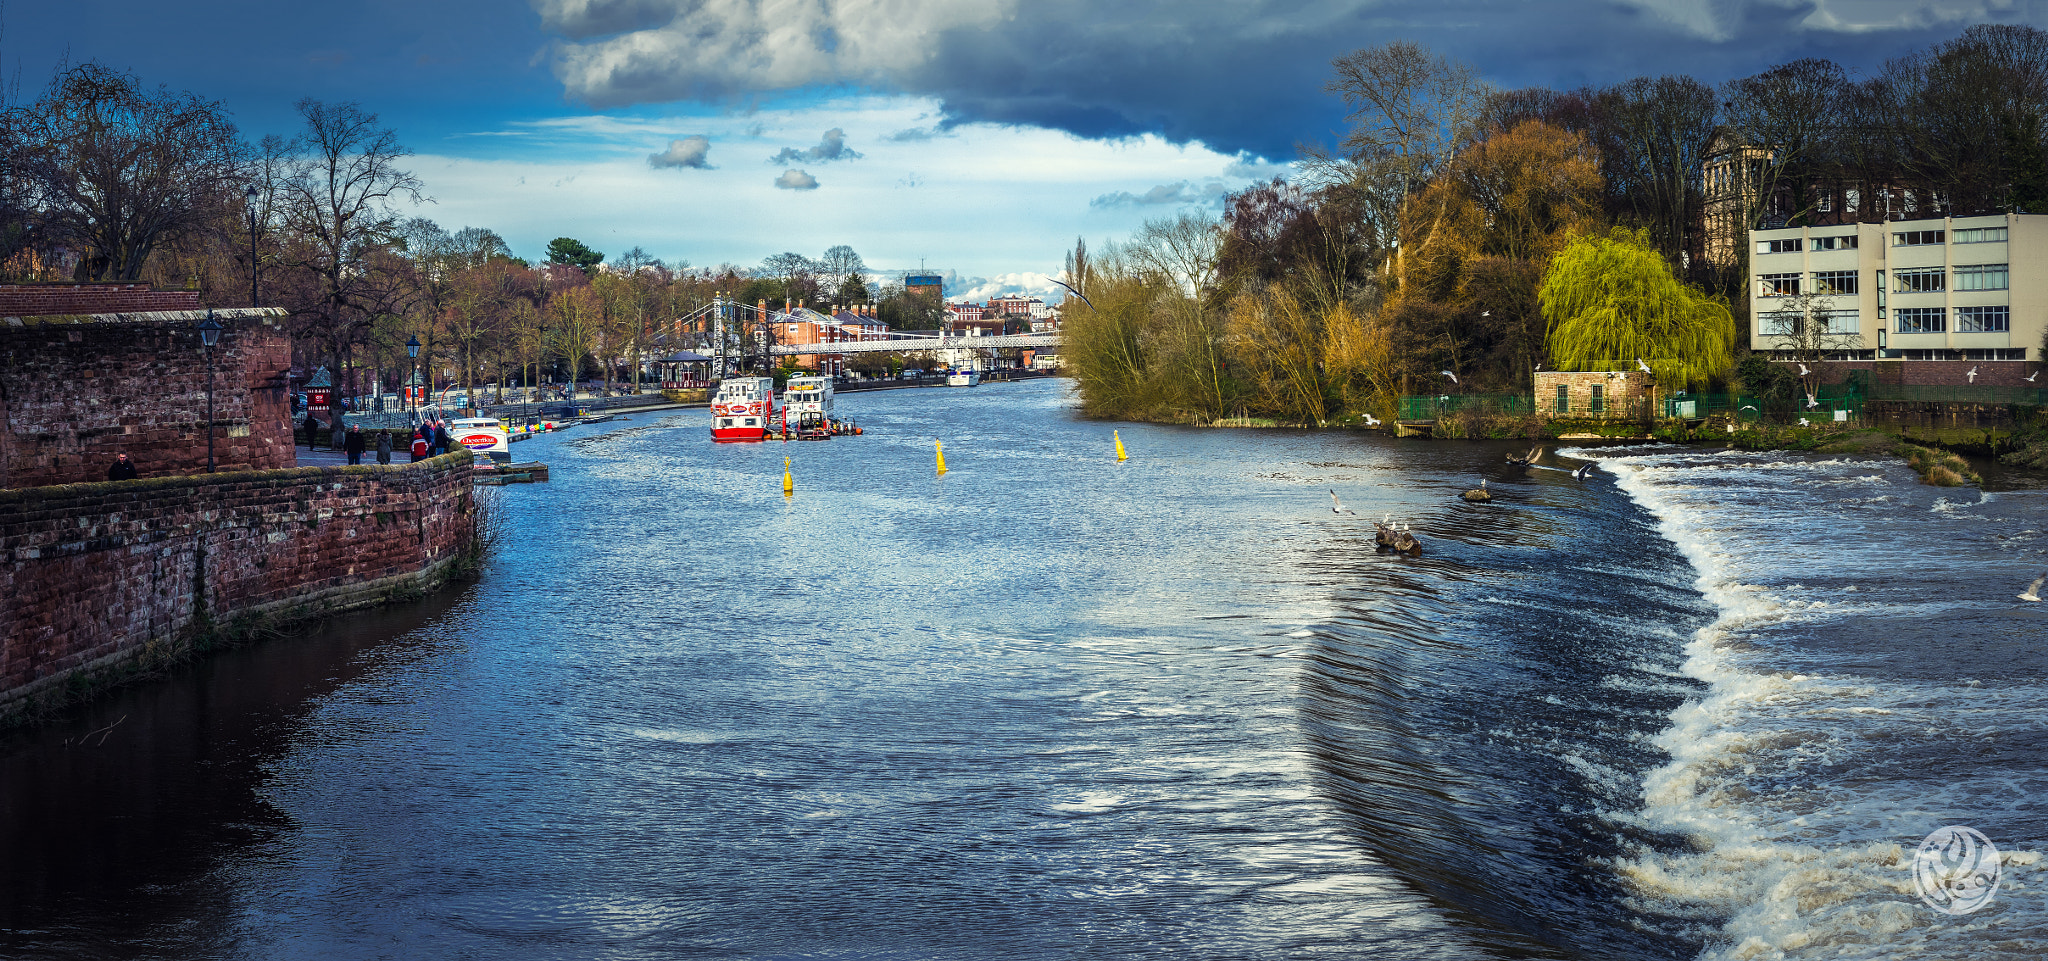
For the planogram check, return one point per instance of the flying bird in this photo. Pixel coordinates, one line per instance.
(1972, 375)
(2030, 377)
(1371, 421)
(1803, 422)
(1804, 370)
(1811, 403)
(1749, 407)
(2033, 592)
(1645, 368)
(1337, 506)
(1446, 373)
(1583, 470)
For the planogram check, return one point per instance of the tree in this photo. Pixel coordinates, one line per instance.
(1662, 131)
(1611, 300)
(335, 204)
(797, 274)
(1410, 111)
(118, 169)
(1789, 114)
(840, 268)
(570, 251)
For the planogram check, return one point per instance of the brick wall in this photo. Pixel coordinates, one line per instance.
(76, 390)
(92, 574)
(28, 300)
(1620, 390)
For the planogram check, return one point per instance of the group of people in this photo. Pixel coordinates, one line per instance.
(428, 440)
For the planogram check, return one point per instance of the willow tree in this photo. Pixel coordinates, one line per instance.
(1611, 301)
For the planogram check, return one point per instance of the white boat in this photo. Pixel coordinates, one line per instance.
(963, 377)
(744, 409)
(485, 436)
(807, 403)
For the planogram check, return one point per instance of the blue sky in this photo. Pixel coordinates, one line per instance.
(974, 137)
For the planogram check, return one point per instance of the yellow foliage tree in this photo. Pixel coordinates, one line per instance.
(1611, 300)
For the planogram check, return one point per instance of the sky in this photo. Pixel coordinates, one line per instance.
(971, 138)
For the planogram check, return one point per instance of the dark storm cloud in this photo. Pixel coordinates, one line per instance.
(832, 147)
(1238, 76)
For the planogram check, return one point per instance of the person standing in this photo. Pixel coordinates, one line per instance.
(383, 447)
(420, 447)
(354, 445)
(443, 442)
(121, 469)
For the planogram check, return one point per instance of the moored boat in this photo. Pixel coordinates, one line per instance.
(963, 377)
(743, 409)
(807, 404)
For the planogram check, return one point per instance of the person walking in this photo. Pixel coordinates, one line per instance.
(420, 448)
(312, 431)
(121, 469)
(383, 447)
(354, 445)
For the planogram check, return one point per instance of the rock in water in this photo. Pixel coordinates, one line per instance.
(1478, 496)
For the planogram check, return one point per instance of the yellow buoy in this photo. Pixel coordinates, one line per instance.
(942, 455)
(788, 479)
(1120, 455)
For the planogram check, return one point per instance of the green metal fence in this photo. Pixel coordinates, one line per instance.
(1961, 394)
(1442, 405)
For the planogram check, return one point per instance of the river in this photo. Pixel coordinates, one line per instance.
(1050, 705)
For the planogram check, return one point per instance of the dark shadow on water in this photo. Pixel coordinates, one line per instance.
(127, 800)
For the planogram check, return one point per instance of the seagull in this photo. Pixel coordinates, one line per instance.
(1486, 313)
(1371, 421)
(1337, 507)
(2033, 592)
(1749, 407)
(1804, 370)
(1731, 428)
(1540, 367)
(1579, 474)
(2030, 377)
(1972, 375)
(1645, 368)
(1803, 422)
(1810, 402)
(1446, 373)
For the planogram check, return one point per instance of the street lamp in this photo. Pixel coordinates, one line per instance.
(209, 334)
(250, 196)
(412, 350)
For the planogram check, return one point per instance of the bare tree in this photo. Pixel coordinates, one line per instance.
(118, 169)
(336, 204)
(1790, 115)
(839, 267)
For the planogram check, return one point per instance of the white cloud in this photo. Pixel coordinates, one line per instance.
(688, 152)
(832, 147)
(904, 202)
(796, 180)
(1030, 283)
(1180, 194)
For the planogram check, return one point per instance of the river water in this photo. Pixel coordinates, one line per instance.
(1053, 706)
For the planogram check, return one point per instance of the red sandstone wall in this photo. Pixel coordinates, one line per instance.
(27, 300)
(73, 394)
(89, 573)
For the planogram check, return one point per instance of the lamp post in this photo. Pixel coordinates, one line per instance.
(250, 196)
(412, 350)
(209, 334)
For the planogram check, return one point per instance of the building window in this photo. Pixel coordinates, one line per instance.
(1841, 282)
(1983, 320)
(1564, 398)
(1779, 285)
(1980, 235)
(1597, 401)
(1920, 280)
(1981, 277)
(1916, 238)
(1790, 245)
(1780, 323)
(1785, 323)
(1843, 322)
(1922, 320)
(1844, 242)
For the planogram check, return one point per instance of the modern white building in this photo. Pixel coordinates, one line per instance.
(1953, 288)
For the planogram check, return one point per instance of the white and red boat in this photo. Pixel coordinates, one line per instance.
(743, 409)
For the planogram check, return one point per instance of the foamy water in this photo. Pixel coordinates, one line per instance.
(1871, 678)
